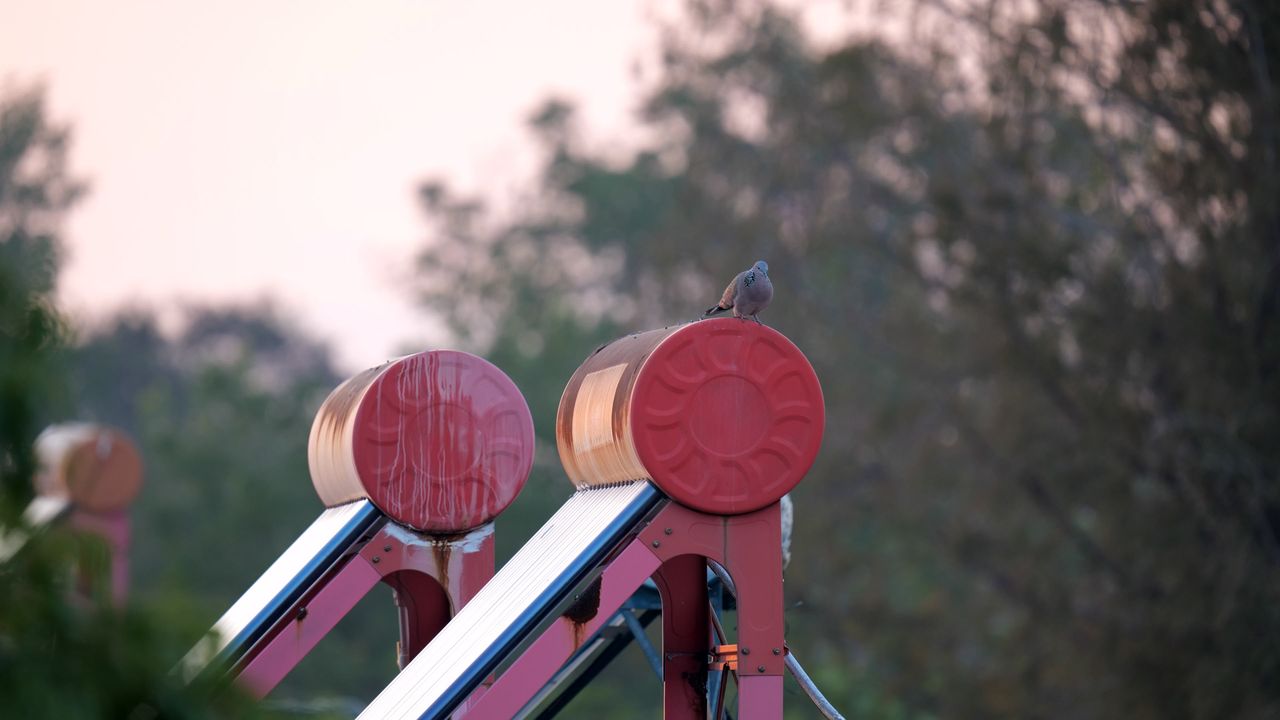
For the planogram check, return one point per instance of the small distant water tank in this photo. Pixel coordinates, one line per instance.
(724, 415)
(96, 468)
(441, 441)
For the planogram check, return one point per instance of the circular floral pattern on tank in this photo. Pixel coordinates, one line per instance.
(727, 415)
(442, 441)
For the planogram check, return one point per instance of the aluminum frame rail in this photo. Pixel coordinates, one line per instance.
(312, 556)
(523, 595)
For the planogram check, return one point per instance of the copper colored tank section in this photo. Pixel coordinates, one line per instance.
(724, 415)
(441, 441)
(96, 468)
(593, 423)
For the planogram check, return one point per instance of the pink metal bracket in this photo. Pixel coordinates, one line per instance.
(432, 577)
(114, 529)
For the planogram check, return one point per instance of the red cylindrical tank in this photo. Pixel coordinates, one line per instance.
(724, 415)
(95, 467)
(441, 441)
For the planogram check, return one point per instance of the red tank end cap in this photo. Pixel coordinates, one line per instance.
(443, 441)
(727, 415)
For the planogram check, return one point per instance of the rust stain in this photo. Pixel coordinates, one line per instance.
(585, 605)
(443, 550)
(697, 693)
(298, 629)
(583, 609)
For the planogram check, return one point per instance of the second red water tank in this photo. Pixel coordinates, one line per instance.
(441, 441)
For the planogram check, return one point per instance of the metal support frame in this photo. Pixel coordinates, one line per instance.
(673, 548)
(807, 684)
(432, 577)
(628, 624)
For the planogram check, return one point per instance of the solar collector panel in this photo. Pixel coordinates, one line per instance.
(305, 562)
(518, 599)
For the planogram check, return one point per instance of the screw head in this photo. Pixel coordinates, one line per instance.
(386, 548)
(759, 668)
(655, 543)
(376, 559)
(746, 651)
(302, 613)
(667, 531)
(776, 651)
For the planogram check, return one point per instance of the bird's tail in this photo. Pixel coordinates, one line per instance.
(714, 309)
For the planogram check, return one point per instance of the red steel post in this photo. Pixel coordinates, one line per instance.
(682, 584)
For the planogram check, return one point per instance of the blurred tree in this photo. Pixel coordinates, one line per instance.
(1034, 254)
(59, 657)
(222, 410)
(35, 192)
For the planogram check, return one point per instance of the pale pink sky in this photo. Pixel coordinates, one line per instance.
(241, 150)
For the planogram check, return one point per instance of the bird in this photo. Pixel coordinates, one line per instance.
(747, 294)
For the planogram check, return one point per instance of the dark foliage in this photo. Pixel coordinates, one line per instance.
(1033, 254)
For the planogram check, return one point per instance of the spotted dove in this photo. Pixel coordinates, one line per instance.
(748, 293)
